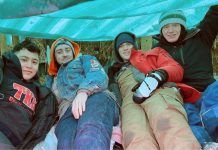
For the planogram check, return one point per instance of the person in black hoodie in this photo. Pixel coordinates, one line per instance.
(27, 110)
(192, 49)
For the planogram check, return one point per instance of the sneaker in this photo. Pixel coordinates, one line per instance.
(211, 146)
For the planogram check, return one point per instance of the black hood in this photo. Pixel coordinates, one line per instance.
(13, 63)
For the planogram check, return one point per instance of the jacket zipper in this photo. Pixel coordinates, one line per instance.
(182, 56)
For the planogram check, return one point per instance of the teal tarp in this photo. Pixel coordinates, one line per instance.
(24, 8)
(100, 20)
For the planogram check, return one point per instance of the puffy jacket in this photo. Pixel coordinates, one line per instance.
(154, 59)
(158, 58)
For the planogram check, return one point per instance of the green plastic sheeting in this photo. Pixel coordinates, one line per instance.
(101, 20)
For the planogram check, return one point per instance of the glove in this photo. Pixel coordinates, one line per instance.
(145, 89)
(151, 82)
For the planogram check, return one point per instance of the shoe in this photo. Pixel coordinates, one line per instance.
(210, 146)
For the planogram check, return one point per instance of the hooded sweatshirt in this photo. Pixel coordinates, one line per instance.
(18, 100)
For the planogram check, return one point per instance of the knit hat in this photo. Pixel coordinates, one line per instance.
(63, 41)
(176, 16)
(53, 66)
(123, 37)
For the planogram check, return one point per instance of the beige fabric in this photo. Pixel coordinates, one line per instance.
(158, 123)
(137, 134)
(168, 120)
(63, 104)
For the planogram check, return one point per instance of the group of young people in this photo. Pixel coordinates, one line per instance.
(160, 96)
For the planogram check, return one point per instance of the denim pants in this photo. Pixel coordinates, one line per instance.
(203, 115)
(195, 123)
(93, 130)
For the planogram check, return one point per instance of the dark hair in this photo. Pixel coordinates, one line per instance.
(27, 44)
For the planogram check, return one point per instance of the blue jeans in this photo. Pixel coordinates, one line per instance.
(209, 109)
(93, 130)
(195, 123)
(203, 115)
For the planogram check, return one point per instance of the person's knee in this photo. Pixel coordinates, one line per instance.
(173, 102)
(107, 109)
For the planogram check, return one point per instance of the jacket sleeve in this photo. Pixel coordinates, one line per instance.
(114, 88)
(96, 78)
(113, 84)
(44, 119)
(209, 26)
(167, 63)
(158, 59)
(1, 70)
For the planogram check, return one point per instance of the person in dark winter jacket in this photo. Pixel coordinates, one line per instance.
(153, 114)
(192, 50)
(27, 110)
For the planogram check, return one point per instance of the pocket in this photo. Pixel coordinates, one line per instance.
(173, 100)
(74, 70)
(116, 115)
(173, 94)
(210, 120)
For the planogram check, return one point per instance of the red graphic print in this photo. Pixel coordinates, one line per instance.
(29, 98)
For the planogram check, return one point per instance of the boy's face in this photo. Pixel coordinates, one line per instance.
(63, 53)
(171, 32)
(125, 51)
(29, 63)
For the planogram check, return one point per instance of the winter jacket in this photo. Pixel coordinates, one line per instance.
(22, 102)
(194, 52)
(44, 119)
(158, 58)
(82, 73)
(155, 59)
(145, 62)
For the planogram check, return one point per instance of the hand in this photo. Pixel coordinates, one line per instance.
(145, 89)
(149, 84)
(79, 104)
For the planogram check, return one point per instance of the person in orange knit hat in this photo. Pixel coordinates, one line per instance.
(80, 82)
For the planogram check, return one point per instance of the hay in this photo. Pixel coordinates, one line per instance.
(215, 56)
